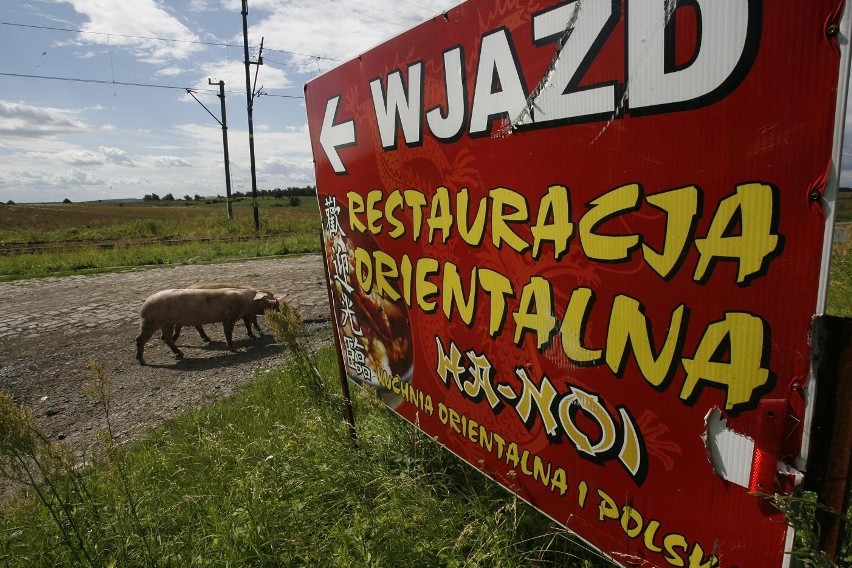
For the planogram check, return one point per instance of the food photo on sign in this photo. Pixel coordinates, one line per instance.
(581, 245)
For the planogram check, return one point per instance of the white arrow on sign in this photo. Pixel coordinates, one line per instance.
(334, 136)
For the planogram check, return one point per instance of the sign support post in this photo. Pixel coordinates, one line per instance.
(831, 451)
(348, 414)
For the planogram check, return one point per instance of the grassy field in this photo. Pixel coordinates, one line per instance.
(844, 207)
(269, 477)
(57, 239)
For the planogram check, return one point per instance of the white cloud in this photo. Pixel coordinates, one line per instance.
(78, 177)
(339, 29)
(37, 179)
(139, 18)
(172, 71)
(169, 161)
(201, 6)
(20, 119)
(117, 156)
(233, 72)
(80, 158)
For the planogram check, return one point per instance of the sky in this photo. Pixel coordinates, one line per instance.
(118, 123)
(98, 137)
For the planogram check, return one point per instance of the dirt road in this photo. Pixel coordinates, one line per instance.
(51, 328)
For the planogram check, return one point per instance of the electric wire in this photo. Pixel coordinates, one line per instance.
(133, 84)
(151, 38)
(356, 12)
(369, 7)
(416, 6)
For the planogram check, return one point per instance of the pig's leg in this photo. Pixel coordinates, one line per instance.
(177, 333)
(168, 332)
(247, 321)
(202, 334)
(145, 334)
(228, 328)
(256, 325)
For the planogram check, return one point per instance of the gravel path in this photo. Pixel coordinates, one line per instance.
(51, 328)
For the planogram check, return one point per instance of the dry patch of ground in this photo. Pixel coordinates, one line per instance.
(50, 329)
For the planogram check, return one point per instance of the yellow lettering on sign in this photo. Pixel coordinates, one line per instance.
(356, 207)
(416, 201)
(681, 208)
(393, 203)
(374, 215)
(426, 289)
(754, 203)
(454, 295)
(554, 222)
(535, 312)
(441, 216)
(573, 328)
(609, 248)
(628, 324)
(537, 398)
(501, 230)
(498, 287)
(471, 233)
(742, 335)
(385, 268)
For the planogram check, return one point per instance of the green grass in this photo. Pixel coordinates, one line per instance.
(269, 477)
(839, 301)
(205, 232)
(844, 207)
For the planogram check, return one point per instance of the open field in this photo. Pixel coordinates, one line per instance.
(97, 222)
(56, 239)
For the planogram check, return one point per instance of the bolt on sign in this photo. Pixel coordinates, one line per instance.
(581, 244)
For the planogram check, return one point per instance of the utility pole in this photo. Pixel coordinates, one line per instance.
(224, 124)
(225, 145)
(250, 104)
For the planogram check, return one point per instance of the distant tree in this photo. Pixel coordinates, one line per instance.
(294, 201)
(66, 200)
(168, 197)
(198, 197)
(10, 202)
(151, 197)
(187, 198)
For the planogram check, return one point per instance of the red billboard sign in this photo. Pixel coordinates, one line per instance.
(580, 243)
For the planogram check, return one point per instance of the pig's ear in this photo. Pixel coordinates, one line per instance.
(259, 296)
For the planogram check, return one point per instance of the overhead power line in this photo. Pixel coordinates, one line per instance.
(356, 12)
(394, 14)
(129, 84)
(152, 38)
(417, 6)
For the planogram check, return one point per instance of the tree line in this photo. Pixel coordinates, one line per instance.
(279, 193)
